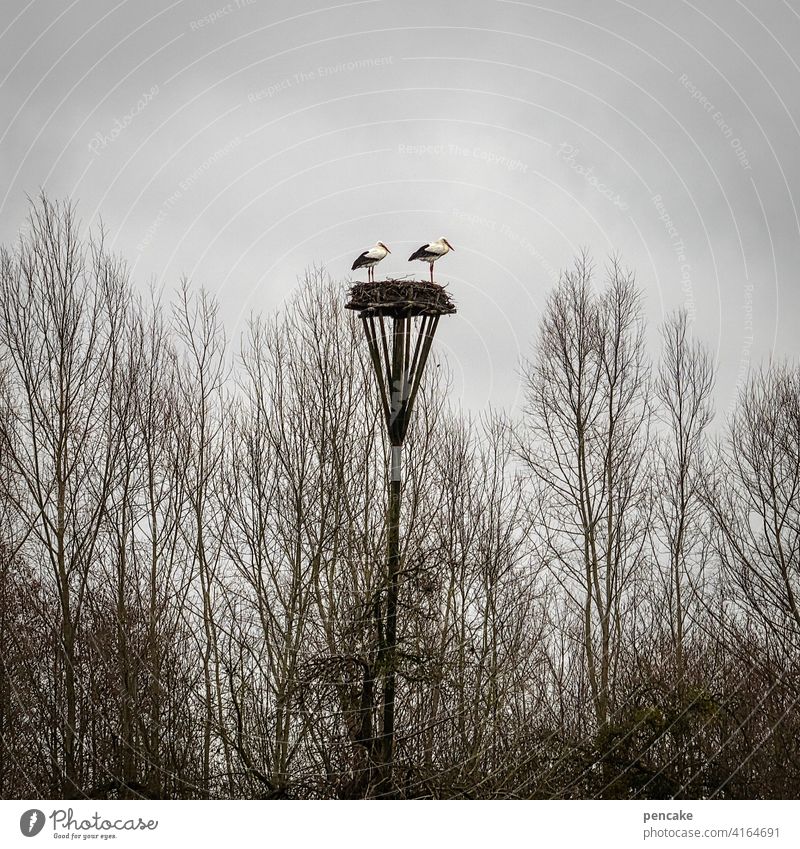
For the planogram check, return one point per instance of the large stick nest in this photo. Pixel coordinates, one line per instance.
(400, 298)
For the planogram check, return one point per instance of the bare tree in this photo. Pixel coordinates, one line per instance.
(472, 630)
(756, 504)
(585, 441)
(59, 309)
(587, 422)
(682, 389)
(201, 374)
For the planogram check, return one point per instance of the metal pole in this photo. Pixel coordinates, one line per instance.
(393, 560)
(398, 359)
(398, 374)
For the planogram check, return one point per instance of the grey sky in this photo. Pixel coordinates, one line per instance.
(240, 143)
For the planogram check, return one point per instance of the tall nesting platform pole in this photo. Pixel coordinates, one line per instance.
(400, 318)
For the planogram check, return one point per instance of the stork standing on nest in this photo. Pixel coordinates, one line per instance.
(371, 258)
(431, 252)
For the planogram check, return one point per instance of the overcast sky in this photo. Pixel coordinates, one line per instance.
(241, 143)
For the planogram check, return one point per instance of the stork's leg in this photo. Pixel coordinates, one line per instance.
(431, 272)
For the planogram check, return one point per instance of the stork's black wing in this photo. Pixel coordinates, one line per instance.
(421, 252)
(361, 261)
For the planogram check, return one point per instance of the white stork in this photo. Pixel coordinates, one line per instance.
(432, 251)
(371, 258)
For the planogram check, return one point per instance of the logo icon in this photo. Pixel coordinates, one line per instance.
(31, 822)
